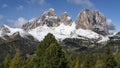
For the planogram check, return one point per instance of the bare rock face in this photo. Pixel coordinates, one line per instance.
(93, 20)
(65, 19)
(31, 24)
(5, 29)
(49, 18)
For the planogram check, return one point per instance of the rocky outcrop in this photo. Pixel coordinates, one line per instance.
(93, 20)
(48, 18)
(4, 30)
(87, 19)
(8, 34)
(115, 38)
(65, 19)
(11, 41)
(31, 24)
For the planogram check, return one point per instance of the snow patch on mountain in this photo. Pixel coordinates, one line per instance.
(12, 31)
(104, 39)
(87, 33)
(32, 20)
(61, 32)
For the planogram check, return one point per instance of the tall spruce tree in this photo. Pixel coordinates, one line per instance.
(89, 61)
(77, 64)
(71, 60)
(109, 60)
(16, 61)
(49, 54)
(55, 57)
(7, 61)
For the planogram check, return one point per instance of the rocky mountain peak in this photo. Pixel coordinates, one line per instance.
(31, 24)
(50, 12)
(65, 19)
(93, 20)
(87, 19)
(49, 18)
(4, 29)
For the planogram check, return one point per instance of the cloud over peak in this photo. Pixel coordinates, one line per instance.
(4, 6)
(84, 3)
(40, 2)
(1, 16)
(17, 23)
(111, 26)
(20, 7)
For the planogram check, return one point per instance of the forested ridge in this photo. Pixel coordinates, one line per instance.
(49, 54)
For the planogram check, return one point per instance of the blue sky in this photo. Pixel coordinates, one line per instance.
(17, 12)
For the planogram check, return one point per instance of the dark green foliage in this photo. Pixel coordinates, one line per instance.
(109, 60)
(7, 61)
(77, 63)
(55, 57)
(117, 58)
(1, 66)
(71, 60)
(89, 61)
(28, 63)
(25, 46)
(49, 54)
(17, 61)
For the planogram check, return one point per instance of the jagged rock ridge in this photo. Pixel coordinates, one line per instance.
(93, 20)
(65, 19)
(87, 19)
(48, 18)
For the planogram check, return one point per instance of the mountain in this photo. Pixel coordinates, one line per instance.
(89, 24)
(92, 20)
(48, 18)
(65, 19)
(88, 33)
(13, 39)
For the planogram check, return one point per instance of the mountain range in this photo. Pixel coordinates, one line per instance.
(89, 28)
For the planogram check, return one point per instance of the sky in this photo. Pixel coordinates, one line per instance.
(15, 13)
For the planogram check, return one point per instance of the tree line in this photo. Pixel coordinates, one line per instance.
(49, 54)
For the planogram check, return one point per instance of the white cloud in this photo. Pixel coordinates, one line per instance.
(40, 2)
(17, 23)
(4, 5)
(20, 7)
(1, 16)
(84, 3)
(111, 26)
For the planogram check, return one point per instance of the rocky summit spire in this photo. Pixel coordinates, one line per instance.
(87, 19)
(49, 18)
(65, 19)
(93, 20)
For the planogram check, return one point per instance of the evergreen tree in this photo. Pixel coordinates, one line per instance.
(7, 61)
(109, 60)
(89, 61)
(49, 54)
(55, 57)
(16, 61)
(71, 61)
(77, 64)
(117, 58)
(29, 63)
